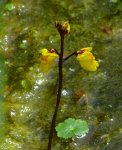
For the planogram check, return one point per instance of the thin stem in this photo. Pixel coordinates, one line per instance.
(69, 56)
(58, 94)
(57, 52)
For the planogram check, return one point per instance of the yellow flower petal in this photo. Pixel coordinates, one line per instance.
(89, 66)
(87, 49)
(44, 51)
(53, 54)
(84, 49)
(46, 67)
(47, 59)
(87, 60)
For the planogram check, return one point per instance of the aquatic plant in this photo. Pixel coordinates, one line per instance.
(87, 62)
(72, 127)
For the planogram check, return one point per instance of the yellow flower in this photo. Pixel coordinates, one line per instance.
(87, 59)
(47, 59)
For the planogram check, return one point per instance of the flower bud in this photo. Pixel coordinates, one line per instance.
(63, 27)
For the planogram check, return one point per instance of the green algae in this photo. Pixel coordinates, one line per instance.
(31, 94)
(3, 80)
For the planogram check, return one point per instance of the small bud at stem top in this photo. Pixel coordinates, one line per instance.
(62, 27)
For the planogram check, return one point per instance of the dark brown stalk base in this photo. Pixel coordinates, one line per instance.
(58, 95)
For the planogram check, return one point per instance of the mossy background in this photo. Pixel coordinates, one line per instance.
(27, 96)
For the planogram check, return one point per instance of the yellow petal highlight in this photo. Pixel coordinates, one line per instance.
(87, 49)
(44, 51)
(47, 59)
(66, 26)
(87, 60)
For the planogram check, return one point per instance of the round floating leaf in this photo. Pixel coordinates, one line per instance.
(72, 127)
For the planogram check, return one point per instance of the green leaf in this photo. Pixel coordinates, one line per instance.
(9, 6)
(72, 127)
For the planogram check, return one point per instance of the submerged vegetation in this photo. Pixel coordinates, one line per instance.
(28, 94)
